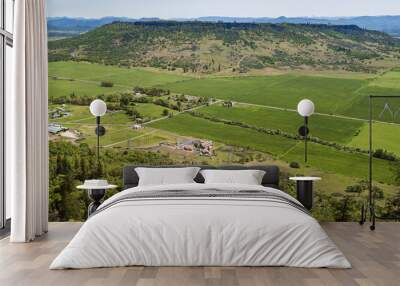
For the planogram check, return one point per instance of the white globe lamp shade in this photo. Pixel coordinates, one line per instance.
(98, 107)
(305, 108)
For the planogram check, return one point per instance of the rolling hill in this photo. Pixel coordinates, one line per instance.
(203, 47)
(387, 24)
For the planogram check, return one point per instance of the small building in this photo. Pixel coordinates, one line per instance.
(56, 128)
(191, 97)
(137, 126)
(59, 112)
(227, 104)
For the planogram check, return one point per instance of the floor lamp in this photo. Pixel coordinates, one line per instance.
(98, 108)
(371, 192)
(305, 108)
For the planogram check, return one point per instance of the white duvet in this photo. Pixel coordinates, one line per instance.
(200, 232)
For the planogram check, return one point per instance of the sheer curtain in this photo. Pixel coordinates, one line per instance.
(26, 131)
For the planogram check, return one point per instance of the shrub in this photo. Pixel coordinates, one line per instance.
(294, 165)
(106, 84)
(383, 154)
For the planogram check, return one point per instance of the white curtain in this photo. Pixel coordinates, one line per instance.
(26, 124)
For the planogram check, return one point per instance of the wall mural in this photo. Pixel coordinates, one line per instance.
(224, 93)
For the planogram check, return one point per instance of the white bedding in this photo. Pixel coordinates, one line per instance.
(202, 232)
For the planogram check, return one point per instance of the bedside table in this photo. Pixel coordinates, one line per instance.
(304, 188)
(96, 189)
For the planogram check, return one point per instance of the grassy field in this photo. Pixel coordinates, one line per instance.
(321, 157)
(389, 79)
(119, 76)
(77, 113)
(335, 94)
(385, 85)
(62, 87)
(82, 115)
(337, 162)
(151, 111)
(385, 136)
(324, 127)
(188, 125)
(114, 134)
(330, 95)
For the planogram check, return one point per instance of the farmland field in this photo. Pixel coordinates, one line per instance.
(330, 95)
(151, 111)
(334, 95)
(126, 77)
(232, 135)
(385, 136)
(324, 127)
(61, 87)
(381, 86)
(389, 79)
(81, 114)
(324, 158)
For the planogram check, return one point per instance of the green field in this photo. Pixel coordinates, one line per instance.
(82, 115)
(151, 111)
(113, 135)
(389, 79)
(330, 95)
(385, 136)
(321, 157)
(125, 77)
(337, 162)
(61, 87)
(77, 113)
(385, 85)
(197, 127)
(324, 127)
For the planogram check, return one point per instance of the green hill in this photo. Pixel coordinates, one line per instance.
(200, 47)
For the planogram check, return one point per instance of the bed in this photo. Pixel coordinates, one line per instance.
(198, 224)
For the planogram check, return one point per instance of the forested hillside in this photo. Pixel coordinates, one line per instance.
(199, 47)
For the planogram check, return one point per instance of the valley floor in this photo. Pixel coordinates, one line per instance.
(246, 119)
(375, 257)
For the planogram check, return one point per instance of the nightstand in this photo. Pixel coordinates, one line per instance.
(304, 188)
(96, 189)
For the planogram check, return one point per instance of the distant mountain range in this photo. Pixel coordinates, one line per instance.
(64, 26)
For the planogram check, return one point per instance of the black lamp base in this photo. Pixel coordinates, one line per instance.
(96, 196)
(305, 193)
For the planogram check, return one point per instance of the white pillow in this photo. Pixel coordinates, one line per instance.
(166, 176)
(246, 177)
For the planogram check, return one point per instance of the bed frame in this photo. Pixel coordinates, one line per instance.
(270, 179)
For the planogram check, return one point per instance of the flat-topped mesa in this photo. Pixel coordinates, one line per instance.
(206, 47)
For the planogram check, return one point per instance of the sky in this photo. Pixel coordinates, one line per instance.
(167, 9)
